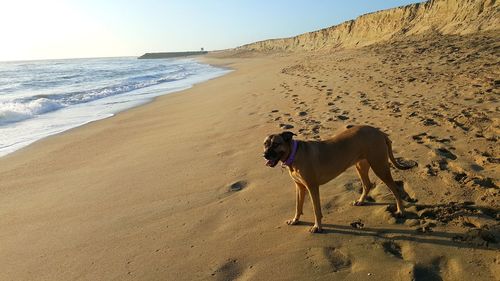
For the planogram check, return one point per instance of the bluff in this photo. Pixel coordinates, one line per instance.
(441, 16)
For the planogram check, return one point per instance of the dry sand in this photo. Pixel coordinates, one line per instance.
(178, 190)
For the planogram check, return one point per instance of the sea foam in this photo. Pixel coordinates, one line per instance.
(41, 98)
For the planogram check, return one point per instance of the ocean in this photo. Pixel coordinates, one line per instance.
(42, 98)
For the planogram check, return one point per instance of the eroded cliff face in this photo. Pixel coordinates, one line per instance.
(441, 16)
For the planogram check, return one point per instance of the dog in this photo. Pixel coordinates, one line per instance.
(314, 163)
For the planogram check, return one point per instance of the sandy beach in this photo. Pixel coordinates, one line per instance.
(178, 190)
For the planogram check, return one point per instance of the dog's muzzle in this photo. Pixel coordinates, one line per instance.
(272, 157)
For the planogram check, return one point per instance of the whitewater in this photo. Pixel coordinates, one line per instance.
(42, 98)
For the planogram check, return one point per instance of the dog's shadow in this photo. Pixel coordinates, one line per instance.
(453, 207)
(473, 239)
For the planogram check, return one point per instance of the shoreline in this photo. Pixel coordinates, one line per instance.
(138, 104)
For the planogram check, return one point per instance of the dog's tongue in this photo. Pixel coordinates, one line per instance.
(270, 163)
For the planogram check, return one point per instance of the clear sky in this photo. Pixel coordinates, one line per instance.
(43, 29)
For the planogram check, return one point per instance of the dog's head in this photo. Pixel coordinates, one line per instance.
(277, 147)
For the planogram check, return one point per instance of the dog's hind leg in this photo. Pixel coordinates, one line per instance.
(300, 193)
(363, 167)
(383, 171)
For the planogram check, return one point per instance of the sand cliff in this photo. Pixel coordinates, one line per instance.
(441, 16)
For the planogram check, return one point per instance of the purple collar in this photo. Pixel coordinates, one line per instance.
(291, 157)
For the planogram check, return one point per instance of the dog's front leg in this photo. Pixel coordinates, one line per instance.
(300, 194)
(314, 194)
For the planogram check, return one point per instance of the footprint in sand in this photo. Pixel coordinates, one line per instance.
(429, 122)
(392, 248)
(406, 162)
(357, 224)
(427, 272)
(481, 236)
(302, 131)
(424, 137)
(425, 227)
(286, 126)
(445, 153)
(486, 157)
(229, 270)
(237, 186)
(315, 129)
(328, 259)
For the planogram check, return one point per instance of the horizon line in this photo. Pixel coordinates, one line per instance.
(92, 57)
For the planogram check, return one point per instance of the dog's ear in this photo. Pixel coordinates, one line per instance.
(287, 136)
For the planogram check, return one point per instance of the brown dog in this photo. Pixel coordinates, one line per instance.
(313, 163)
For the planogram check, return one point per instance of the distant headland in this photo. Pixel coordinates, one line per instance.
(165, 55)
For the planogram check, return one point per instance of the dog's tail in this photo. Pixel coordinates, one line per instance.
(393, 160)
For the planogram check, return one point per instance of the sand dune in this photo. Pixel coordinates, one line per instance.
(450, 17)
(178, 190)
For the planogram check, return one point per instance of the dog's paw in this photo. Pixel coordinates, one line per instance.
(292, 222)
(399, 214)
(358, 203)
(315, 229)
